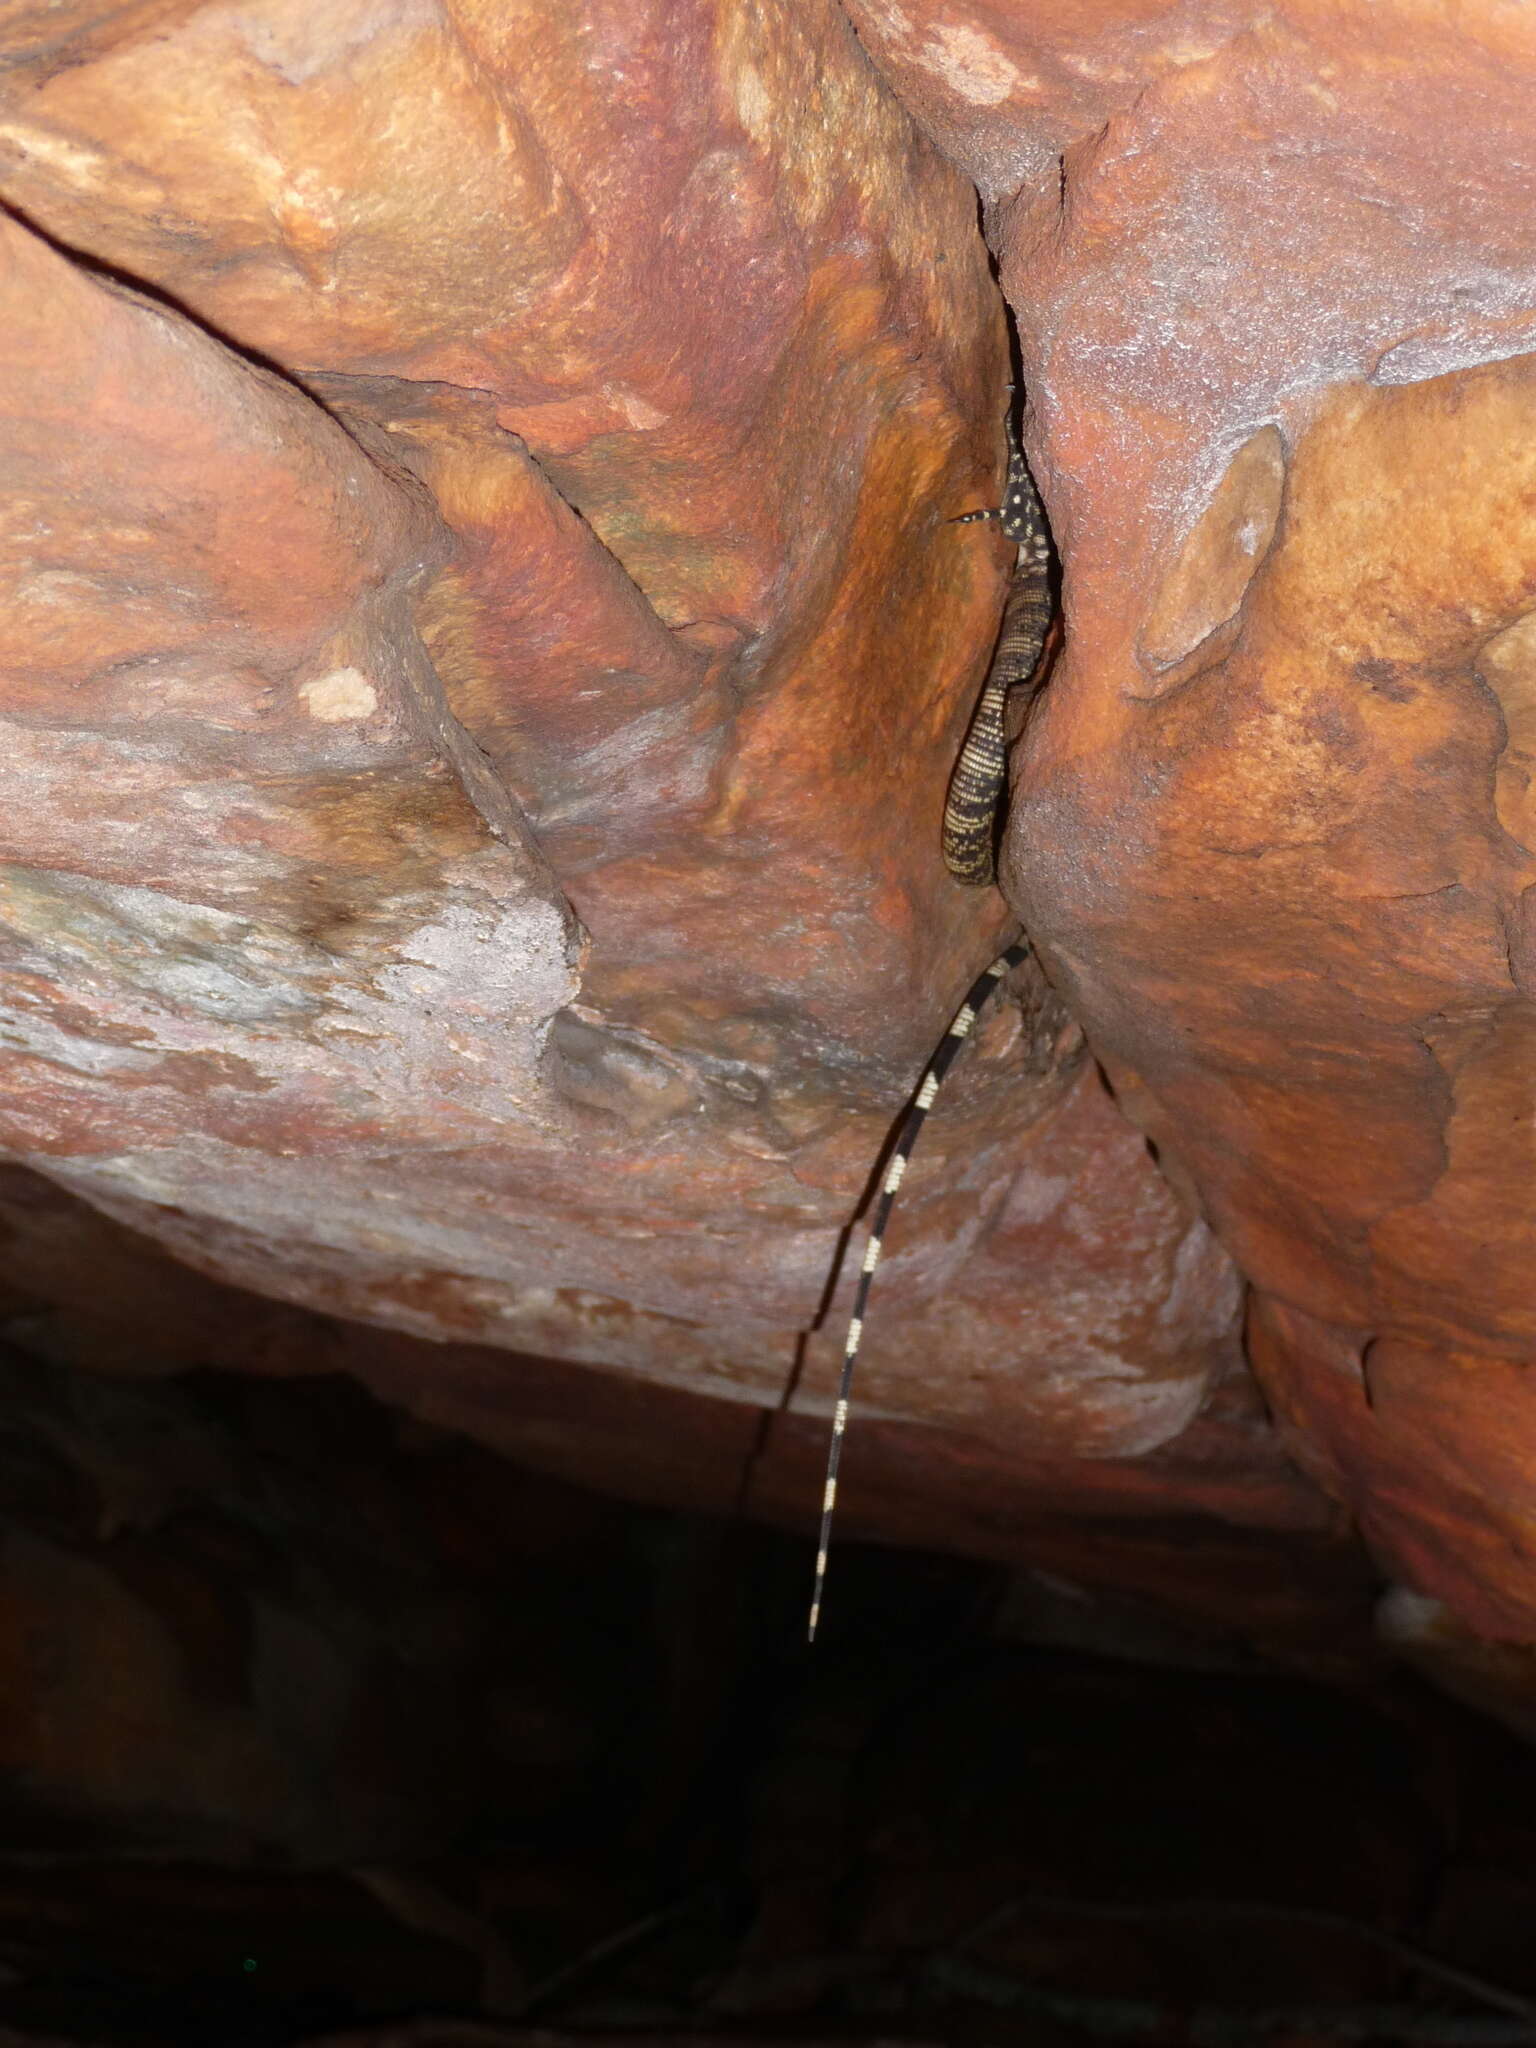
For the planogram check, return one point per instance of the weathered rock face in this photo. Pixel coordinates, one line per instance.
(484, 645)
(471, 797)
(1276, 836)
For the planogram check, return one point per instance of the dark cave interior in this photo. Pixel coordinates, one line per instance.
(327, 1722)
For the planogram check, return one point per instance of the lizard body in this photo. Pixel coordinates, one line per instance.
(977, 790)
(979, 782)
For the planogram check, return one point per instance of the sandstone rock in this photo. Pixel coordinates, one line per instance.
(484, 642)
(1269, 1545)
(1284, 883)
(485, 646)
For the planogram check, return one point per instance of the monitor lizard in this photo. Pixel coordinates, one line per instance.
(973, 815)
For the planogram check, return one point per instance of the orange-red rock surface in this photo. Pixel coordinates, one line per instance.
(483, 644)
(1276, 310)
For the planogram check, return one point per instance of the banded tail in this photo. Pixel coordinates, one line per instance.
(981, 990)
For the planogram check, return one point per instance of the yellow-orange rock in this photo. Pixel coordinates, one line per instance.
(1279, 856)
(481, 647)
(485, 641)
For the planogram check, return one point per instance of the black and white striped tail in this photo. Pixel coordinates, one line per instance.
(981, 989)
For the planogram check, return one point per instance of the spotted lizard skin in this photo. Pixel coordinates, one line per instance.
(978, 785)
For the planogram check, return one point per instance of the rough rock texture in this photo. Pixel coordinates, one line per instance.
(1276, 835)
(993, 1495)
(484, 645)
(484, 649)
